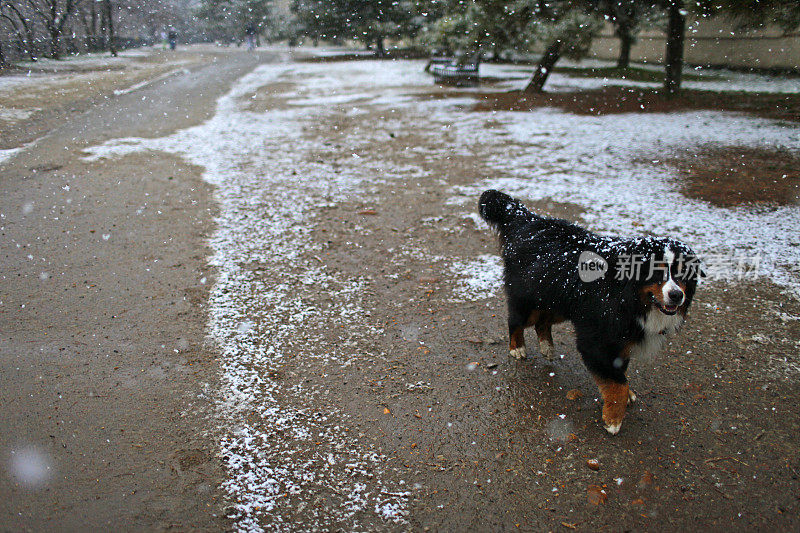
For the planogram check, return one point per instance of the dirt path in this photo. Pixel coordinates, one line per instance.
(104, 289)
(486, 444)
(356, 374)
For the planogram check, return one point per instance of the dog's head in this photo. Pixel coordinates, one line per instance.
(668, 277)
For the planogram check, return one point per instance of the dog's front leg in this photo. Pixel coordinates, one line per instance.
(615, 400)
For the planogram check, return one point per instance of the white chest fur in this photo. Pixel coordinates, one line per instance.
(656, 327)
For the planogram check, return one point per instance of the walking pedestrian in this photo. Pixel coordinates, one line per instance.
(250, 33)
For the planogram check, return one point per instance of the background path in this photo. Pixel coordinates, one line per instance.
(104, 284)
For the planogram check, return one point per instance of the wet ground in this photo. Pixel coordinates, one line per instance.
(357, 330)
(732, 176)
(103, 352)
(616, 100)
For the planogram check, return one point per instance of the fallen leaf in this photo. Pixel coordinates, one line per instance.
(367, 212)
(596, 495)
(593, 464)
(474, 340)
(646, 480)
(386, 411)
(574, 394)
(568, 525)
(637, 501)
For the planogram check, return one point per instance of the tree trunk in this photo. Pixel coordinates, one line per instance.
(546, 64)
(103, 34)
(93, 19)
(55, 45)
(2, 56)
(495, 54)
(112, 45)
(625, 43)
(379, 49)
(92, 31)
(676, 29)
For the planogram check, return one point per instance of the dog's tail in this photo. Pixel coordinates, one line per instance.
(501, 211)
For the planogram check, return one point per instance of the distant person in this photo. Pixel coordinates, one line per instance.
(164, 41)
(173, 38)
(250, 33)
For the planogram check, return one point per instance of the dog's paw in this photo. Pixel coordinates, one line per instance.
(631, 396)
(615, 400)
(548, 350)
(518, 353)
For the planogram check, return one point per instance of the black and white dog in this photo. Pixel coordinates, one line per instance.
(557, 271)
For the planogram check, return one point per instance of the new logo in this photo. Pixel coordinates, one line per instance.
(591, 266)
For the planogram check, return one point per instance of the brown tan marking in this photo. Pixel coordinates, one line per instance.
(656, 290)
(543, 322)
(517, 339)
(615, 401)
(516, 343)
(544, 331)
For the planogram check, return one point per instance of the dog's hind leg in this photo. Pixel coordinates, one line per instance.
(516, 341)
(544, 331)
(517, 322)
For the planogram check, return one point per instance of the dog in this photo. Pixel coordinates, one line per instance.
(557, 271)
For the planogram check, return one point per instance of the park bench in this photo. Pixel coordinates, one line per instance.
(455, 71)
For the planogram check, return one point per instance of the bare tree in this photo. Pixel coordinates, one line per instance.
(22, 26)
(54, 14)
(88, 17)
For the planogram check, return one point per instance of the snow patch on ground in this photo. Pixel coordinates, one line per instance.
(478, 278)
(15, 114)
(145, 83)
(602, 164)
(5, 155)
(281, 451)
